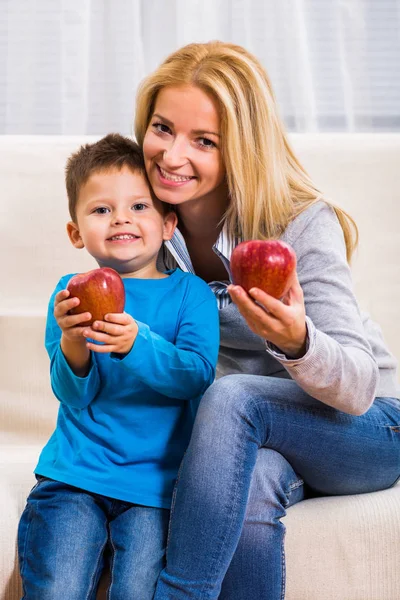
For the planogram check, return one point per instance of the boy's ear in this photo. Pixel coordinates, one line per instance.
(74, 235)
(170, 223)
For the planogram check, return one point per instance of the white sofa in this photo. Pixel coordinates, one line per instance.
(345, 548)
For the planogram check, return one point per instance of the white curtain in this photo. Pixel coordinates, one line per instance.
(73, 66)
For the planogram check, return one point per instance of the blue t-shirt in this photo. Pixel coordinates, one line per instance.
(123, 429)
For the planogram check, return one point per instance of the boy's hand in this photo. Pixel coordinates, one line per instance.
(69, 324)
(117, 332)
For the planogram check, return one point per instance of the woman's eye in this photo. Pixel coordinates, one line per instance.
(139, 206)
(161, 128)
(101, 210)
(206, 143)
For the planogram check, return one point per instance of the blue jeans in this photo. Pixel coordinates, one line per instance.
(62, 536)
(259, 445)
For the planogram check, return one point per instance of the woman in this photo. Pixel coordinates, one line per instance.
(306, 402)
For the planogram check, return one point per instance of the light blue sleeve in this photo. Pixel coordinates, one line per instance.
(75, 392)
(184, 369)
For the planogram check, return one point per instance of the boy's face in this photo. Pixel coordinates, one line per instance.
(120, 224)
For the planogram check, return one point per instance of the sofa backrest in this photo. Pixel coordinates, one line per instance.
(359, 172)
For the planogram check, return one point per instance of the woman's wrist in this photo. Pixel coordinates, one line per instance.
(296, 350)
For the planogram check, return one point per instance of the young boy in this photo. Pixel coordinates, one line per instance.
(128, 387)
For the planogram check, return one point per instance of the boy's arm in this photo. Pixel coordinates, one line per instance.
(184, 369)
(77, 356)
(74, 375)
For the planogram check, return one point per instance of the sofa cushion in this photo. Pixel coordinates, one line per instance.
(345, 547)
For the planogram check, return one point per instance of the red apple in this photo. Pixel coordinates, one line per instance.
(100, 291)
(265, 264)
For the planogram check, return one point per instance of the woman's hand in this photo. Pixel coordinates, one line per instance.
(283, 323)
(117, 333)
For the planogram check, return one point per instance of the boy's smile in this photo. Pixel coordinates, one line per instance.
(120, 224)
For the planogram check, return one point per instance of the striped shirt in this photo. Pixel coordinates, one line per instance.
(174, 253)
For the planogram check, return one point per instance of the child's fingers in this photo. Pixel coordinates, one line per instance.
(60, 296)
(106, 349)
(63, 306)
(98, 336)
(119, 318)
(69, 321)
(109, 328)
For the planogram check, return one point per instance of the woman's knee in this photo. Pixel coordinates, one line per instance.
(229, 396)
(274, 482)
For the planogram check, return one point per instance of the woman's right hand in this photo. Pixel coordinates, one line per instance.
(283, 323)
(70, 324)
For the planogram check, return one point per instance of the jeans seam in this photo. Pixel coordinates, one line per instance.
(217, 555)
(261, 416)
(292, 487)
(22, 566)
(235, 495)
(112, 563)
(96, 570)
(283, 567)
(173, 500)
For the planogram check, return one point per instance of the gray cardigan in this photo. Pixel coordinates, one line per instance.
(347, 363)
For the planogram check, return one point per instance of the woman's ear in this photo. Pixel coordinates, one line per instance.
(74, 235)
(170, 223)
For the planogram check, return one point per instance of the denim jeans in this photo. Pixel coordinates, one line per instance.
(62, 536)
(259, 445)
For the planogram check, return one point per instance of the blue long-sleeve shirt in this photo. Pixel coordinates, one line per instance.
(122, 430)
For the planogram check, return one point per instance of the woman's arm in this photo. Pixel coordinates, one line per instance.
(338, 367)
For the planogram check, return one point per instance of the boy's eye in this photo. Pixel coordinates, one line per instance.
(139, 206)
(101, 210)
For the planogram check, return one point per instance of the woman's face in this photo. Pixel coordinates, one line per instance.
(182, 146)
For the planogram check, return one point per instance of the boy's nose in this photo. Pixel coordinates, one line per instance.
(122, 218)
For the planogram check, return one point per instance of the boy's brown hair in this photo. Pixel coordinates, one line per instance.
(113, 150)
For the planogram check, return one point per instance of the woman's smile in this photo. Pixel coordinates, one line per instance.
(171, 179)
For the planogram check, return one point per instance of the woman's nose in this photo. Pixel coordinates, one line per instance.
(175, 154)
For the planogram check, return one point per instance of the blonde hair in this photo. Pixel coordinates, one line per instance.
(268, 187)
